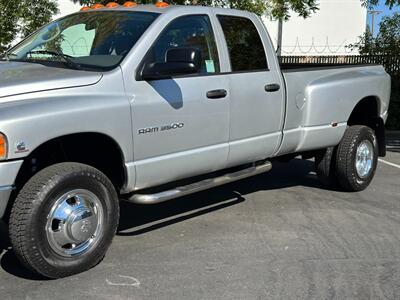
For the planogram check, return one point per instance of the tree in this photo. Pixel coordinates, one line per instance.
(21, 17)
(388, 3)
(386, 42)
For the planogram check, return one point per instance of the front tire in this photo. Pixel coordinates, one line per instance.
(64, 220)
(357, 158)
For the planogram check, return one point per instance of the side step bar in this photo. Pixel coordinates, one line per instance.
(199, 186)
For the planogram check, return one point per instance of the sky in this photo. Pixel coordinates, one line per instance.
(385, 12)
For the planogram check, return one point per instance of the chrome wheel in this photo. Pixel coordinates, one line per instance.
(364, 158)
(75, 223)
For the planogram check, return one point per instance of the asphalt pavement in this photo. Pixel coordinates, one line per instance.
(275, 236)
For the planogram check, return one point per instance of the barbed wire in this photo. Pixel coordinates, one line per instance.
(73, 45)
(326, 48)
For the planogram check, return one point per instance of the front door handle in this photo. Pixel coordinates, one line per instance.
(217, 94)
(274, 87)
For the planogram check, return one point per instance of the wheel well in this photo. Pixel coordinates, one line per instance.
(97, 150)
(94, 149)
(366, 112)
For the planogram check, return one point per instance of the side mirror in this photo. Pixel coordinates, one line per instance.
(179, 61)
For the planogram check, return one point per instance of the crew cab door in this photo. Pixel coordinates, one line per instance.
(257, 92)
(181, 124)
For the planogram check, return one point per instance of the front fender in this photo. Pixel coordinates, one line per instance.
(35, 118)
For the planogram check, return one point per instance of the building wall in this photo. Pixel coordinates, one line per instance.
(66, 7)
(336, 24)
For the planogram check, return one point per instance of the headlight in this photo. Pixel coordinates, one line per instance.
(3, 146)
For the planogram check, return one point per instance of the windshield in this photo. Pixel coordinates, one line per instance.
(91, 40)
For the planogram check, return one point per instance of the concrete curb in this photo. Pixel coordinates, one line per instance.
(393, 134)
(393, 140)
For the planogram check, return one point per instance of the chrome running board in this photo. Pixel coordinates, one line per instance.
(199, 186)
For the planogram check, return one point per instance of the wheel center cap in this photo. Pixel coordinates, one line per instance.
(82, 225)
(364, 159)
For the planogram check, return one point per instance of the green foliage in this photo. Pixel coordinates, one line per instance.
(281, 9)
(386, 42)
(388, 3)
(21, 17)
(8, 19)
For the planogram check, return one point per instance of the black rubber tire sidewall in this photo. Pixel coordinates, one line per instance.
(347, 175)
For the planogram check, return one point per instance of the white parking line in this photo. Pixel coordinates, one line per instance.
(389, 163)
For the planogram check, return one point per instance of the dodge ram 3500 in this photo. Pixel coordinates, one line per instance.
(149, 103)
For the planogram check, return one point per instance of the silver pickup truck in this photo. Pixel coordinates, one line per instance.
(149, 103)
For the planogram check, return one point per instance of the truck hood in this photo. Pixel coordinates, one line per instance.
(20, 78)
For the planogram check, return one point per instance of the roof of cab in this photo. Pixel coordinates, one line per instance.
(152, 8)
(139, 7)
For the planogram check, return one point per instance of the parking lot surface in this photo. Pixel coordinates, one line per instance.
(275, 236)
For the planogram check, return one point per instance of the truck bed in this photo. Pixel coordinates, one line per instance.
(320, 99)
(300, 67)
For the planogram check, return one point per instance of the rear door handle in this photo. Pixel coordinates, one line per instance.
(217, 94)
(274, 87)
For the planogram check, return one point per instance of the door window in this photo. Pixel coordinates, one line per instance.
(188, 32)
(245, 46)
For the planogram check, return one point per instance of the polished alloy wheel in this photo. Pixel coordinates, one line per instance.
(75, 223)
(364, 158)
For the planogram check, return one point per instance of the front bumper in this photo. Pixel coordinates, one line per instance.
(8, 174)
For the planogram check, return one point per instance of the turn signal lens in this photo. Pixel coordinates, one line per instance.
(112, 4)
(97, 6)
(130, 4)
(85, 8)
(3, 146)
(161, 4)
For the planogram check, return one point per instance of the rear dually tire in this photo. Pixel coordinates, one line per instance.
(356, 158)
